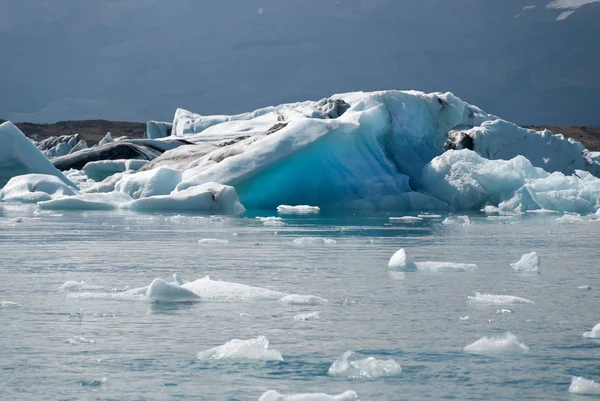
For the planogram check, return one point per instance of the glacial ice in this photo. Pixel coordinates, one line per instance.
(161, 291)
(497, 299)
(399, 261)
(158, 129)
(595, 333)
(530, 263)
(18, 156)
(500, 345)
(144, 184)
(33, 188)
(368, 368)
(256, 349)
(582, 386)
(99, 170)
(307, 316)
(273, 395)
(299, 209)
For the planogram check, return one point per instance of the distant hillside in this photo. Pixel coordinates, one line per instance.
(94, 130)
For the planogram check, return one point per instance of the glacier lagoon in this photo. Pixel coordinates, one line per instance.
(76, 326)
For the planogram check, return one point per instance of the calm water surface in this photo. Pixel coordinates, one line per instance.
(142, 350)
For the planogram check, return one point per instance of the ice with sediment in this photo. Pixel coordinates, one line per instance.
(33, 188)
(582, 386)
(595, 333)
(273, 395)
(102, 169)
(529, 263)
(491, 299)
(299, 209)
(399, 261)
(255, 349)
(505, 344)
(368, 368)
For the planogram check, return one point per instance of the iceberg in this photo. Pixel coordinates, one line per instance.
(33, 188)
(595, 333)
(399, 261)
(273, 395)
(368, 368)
(491, 299)
(161, 291)
(19, 156)
(256, 349)
(506, 344)
(530, 262)
(582, 386)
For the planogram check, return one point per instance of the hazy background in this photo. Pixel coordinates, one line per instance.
(140, 59)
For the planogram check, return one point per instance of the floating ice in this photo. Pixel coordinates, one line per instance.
(501, 345)
(307, 316)
(314, 241)
(295, 299)
(595, 333)
(161, 291)
(273, 395)
(80, 340)
(368, 368)
(429, 216)
(570, 219)
(497, 299)
(271, 221)
(457, 221)
(584, 287)
(33, 188)
(9, 304)
(99, 170)
(212, 241)
(503, 311)
(79, 286)
(530, 263)
(582, 386)
(300, 209)
(406, 219)
(256, 349)
(399, 261)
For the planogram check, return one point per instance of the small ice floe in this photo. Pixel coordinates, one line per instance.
(273, 221)
(507, 344)
(307, 316)
(503, 312)
(584, 288)
(497, 299)
(273, 395)
(499, 218)
(399, 261)
(457, 221)
(296, 299)
(256, 349)
(161, 291)
(9, 304)
(529, 263)
(213, 241)
(300, 209)
(569, 219)
(368, 368)
(406, 219)
(429, 216)
(80, 340)
(305, 241)
(79, 286)
(595, 333)
(245, 315)
(582, 386)
(463, 318)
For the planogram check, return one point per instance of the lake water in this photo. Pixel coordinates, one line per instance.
(92, 344)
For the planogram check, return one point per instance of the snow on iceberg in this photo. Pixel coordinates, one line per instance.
(18, 156)
(501, 345)
(530, 262)
(273, 395)
(33, 188)
(582, 386)
(256, 349)
(497, 299)
(399, 261)
(368, 368)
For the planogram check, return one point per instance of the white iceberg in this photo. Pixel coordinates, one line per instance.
(582, 386)
(161, 291)
(299, 209)
(368, 368)
(399, 261)
(530, 263)
(497, 299)
(273, 395)
(506, 344)
(144, 184)
(595, 333)
(256, 349)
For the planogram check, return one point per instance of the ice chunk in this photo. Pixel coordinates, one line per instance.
(368, 368)
(306, 241)
(159, 181)
(79, 286)
(595, 333)
(209, 197)
(307, 316)
(9, 304)
(399, 261)
(161, 291)
(158, 129)
(18, 156)
(80, 340)
(501, 345)
(497, 299)
(458, 221)
(584, 287)
(300, 209)
(429, 216)
(530, 262)
(102, 169)
(213, 241)
(107, 139)
(582, 386)
(406, 219)
(570, 219)
(256, 349)
(33, 188)
(273, 395)
(221, 290)
(296, 299)
(271, 221)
